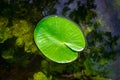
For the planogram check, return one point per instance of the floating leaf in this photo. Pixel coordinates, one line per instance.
(59, 39)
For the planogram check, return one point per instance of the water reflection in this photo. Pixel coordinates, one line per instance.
(109, 12)
(65, 7)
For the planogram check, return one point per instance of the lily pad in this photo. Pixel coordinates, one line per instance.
(59, 39)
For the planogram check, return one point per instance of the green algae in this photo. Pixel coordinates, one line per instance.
(21, 30)
(5, 32)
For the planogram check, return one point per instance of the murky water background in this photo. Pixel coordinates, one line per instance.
(21, 60)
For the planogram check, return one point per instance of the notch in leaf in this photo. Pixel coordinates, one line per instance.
(59, 39)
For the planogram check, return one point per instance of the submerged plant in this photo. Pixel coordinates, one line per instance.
(59, 39)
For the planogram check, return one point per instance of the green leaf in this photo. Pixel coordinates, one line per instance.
(59, 39)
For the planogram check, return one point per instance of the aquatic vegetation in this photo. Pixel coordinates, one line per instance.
(59, 39)
(21, 30)
(40, 76)
(5, 32)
